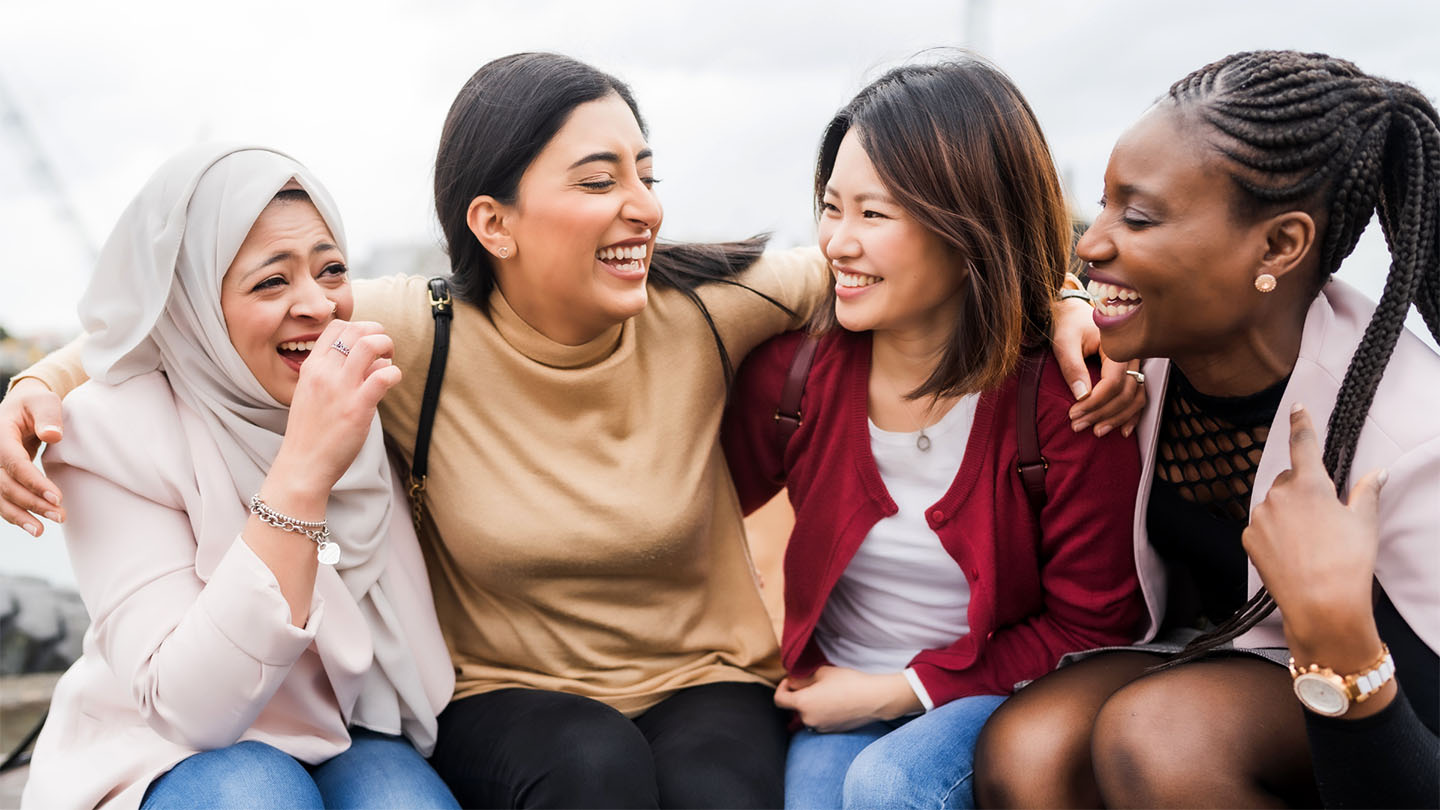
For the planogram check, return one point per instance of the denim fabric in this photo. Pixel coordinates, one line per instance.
(922, 762)
(377, 771)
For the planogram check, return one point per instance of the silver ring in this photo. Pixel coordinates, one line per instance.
(345, 350)
(1138, 375)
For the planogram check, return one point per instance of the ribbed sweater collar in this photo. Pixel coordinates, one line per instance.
(528, 341)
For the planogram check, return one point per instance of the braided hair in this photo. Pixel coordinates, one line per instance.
(1311, 131)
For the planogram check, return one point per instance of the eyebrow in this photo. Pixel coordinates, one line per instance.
(610, 157)
(864, 196)
(287, 255)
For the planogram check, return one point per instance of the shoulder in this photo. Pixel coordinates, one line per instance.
(128, 433)
(400, 304)
(396, 302)
(795, 278)
(1405, 400)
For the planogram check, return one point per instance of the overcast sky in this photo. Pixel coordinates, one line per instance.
(736, 94)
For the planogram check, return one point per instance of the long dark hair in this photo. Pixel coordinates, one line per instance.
(1314, 132)
(500, 121)
(961, 151)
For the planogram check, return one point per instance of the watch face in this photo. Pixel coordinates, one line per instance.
(1320, 695)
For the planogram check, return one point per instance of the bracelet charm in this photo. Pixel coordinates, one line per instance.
(327, 551)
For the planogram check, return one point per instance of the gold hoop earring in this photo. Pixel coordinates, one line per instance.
(504, 252)
(1265, 282)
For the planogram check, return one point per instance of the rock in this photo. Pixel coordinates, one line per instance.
(41, 626)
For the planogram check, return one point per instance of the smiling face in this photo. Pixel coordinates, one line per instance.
(583, 226)
(891, 273)
(1172, 270)
(287, 282)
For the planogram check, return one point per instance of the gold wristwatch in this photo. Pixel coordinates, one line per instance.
(1324, 692)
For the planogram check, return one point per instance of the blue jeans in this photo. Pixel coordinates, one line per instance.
(376, 771)
(925, 761)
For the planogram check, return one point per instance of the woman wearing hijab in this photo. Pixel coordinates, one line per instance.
(262, 631)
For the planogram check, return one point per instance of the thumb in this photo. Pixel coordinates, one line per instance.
(45, 416)
(1364, 497)
(1069, 352)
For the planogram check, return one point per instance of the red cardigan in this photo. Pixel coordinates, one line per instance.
(1036, 592)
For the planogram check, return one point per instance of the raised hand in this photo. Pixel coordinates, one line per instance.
(1316, 555)
(334, 404)
(29, 415)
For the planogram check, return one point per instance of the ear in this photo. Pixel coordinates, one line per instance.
(486, 217)
(1289, 238)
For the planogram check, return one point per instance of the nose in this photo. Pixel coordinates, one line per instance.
(310, 301)
(1095, 245)
(642, 207)
(838, 239)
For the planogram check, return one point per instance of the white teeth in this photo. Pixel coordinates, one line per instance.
(855, 279)
(629, 252)
(1112, 300)
(629, 267)
(298, 346)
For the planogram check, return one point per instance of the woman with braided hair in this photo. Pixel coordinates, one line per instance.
(1227, 209)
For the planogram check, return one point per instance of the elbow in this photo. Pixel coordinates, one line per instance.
(188, 729)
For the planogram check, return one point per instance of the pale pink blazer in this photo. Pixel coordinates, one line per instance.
(190, 647)
(1401, 433)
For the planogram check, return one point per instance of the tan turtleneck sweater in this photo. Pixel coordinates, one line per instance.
(592, 539)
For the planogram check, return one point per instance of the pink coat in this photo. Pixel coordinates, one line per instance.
(190, 646)
(1401, 433)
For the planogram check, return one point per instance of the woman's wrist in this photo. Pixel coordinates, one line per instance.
(295, 492)
(1342, 646)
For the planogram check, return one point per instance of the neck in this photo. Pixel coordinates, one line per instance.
(1255, 359)
(549, 317)
(905, 359)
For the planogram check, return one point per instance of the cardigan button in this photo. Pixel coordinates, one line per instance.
(936, 515)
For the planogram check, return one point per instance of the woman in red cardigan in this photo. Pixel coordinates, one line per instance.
(921, 583)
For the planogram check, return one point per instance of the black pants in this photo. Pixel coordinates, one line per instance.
(717, 745)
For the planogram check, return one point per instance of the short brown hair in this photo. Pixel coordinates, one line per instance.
(961, 151)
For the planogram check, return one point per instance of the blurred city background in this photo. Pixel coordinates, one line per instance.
(93, 96)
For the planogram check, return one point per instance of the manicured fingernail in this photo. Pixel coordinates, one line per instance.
(48, 428)
(33, 529)
(1102, 430)
(52, 498)
(1079, 389)
(54, 517)
(1127, 430)
(1296, 408)
(1079, 426)
(1382, 478)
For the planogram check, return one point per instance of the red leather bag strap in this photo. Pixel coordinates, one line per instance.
(787, 416)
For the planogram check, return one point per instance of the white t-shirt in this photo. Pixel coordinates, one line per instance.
(902, 591)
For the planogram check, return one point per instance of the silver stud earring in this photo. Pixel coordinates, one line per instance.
(1265, 282)
(504, 252)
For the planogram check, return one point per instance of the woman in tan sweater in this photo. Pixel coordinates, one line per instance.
(594, 586)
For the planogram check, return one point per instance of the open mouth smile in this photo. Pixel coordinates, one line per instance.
(625, 261)
(1112, 301)
(294, 352)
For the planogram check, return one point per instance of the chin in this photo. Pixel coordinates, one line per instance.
(628, 305)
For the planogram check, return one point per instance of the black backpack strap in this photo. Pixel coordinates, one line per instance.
(442, 308)
(787, 415)
(1031, 464)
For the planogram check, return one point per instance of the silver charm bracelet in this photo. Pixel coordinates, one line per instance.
(326, 550)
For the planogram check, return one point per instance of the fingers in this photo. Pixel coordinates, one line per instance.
(43, 410)
(1364, 497)
(1071, 341)
(1305, 455)
(785, 698)
(377, 383)
(1117, 400)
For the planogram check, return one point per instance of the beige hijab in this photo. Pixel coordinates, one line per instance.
(154, 303)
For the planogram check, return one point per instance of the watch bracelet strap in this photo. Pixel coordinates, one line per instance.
(1359, 685)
